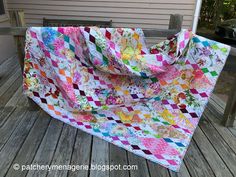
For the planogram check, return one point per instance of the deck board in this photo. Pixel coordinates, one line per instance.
(142, 166)
(213, 159)
(5, 73)
(99, 156)
(5, 113)
(225, 132)
(4, 87)
(47, 148)
(183, 172)
(233, 130)
(118, 156)
(4, 98)
(33, 137)
(63, 151)
(22, 101)
(12, 122)
(81, 154)
(220, 145)
(30, 146)
(196, 163)
(219, 111)
(15, 98)
(157, 170)
(13, 145)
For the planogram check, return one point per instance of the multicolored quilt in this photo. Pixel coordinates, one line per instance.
(106, 82)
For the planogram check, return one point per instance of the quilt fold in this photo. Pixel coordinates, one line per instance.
(106, 82)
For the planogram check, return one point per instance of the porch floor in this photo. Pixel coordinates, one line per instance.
(33, 137)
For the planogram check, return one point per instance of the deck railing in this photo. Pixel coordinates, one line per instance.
(20, 32)
(174, 27)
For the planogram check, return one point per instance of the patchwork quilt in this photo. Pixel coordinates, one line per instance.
(106, 82)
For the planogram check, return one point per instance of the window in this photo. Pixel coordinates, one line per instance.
(2, 8)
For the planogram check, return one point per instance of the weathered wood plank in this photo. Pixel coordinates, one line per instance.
(233, 51)
(17, 20)
(32, 105)
(176, 21)
(63, 151)
(5, 113)
(10, 149)
(216, 104)
(159, 32)
(20, 31)
(157, 170)
(81, 154)
(233, 130)
(47, 147)
(10, 125)
(100, 156)
(7, 63)
(223, 149)
(15, 31)
(10, 91)
(4, 87)
(22, 102)
(216, 107)
(4, 63)
(60, 22)
(218, 101)
(118, 156)
(183, 172)
(227, 110)
(5, 73)
(15, 98)
(142, 170)
(196, 163)
(30, 146)
(226, 134)
(215, 162)
(230, 109)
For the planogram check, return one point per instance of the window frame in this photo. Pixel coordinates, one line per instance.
(4, 17)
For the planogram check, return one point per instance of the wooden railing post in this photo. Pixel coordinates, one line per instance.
(17, 20)
(176, 21)
(230, 109)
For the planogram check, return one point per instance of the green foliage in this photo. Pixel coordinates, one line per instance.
(215, 11)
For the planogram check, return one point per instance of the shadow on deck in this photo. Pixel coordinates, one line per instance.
(33, 137)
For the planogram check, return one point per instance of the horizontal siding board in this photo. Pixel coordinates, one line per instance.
(136, 1)
(70, 9)
(123, 13)
(137, 6)
(111, 1)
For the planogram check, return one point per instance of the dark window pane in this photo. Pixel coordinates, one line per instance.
(2, 10)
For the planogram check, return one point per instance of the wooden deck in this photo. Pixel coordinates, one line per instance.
(33, 137)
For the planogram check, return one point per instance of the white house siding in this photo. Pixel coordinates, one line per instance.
(123, 13)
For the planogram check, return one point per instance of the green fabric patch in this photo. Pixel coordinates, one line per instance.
(205, 70)
(213, 73)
